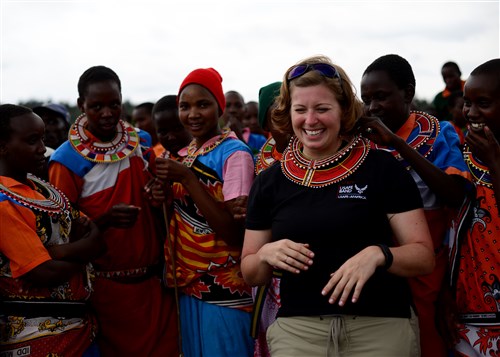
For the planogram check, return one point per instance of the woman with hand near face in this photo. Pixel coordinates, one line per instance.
(430, 151)
(326, 217)
(474, 265)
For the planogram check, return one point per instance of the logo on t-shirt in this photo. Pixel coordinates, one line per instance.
(352, 191)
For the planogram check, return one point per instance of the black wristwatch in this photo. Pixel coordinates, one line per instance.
(387, 254)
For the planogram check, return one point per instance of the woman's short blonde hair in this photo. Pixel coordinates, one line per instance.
(342, 88)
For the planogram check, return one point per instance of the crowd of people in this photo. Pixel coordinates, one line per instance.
(314, 222)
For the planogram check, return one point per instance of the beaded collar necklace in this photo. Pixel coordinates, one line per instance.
(123, 144)
(268, 156)
(55, 203)
(193, 152)
(319, 173)
(428, 129)
(478, 170)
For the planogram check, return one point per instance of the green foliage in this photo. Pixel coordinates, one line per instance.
(421, 104)
(75, 111)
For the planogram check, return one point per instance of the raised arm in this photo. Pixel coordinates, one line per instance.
(450, 188)
(219, 218)
(487, 148)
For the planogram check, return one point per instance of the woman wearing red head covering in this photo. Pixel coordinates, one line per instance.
(214, 171)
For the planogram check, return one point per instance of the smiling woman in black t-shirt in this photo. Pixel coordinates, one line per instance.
(342, 221)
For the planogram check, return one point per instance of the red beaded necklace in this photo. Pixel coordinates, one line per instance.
(319, 173)
(268, 156)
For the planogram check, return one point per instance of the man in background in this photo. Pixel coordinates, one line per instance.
(57, 121)
(452, 78)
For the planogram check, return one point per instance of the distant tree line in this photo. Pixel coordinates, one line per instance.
(73, 109)
(418, 104)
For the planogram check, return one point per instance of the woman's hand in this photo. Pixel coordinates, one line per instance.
(353, 275)
(484, 145)
(287, 255)
(118, 216)
(171, 170)
(238, 208)
(80, 227)
(260, 256)
(374, 129)
(159, 193)
(86, 243)
(155, 192)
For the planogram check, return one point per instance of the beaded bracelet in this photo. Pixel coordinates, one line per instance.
(387, 254)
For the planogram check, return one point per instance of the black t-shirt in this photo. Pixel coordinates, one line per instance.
(337, 221)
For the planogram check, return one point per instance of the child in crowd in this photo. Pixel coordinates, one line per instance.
(430, 150)
(44, 249)
(57, 121)
(233, 117)
(214, 171)
(172, 135)
(251, 119)
(103, 169)
(476, 253)
(453, 82)
(278, 140)
(457, 119)
(142, 118)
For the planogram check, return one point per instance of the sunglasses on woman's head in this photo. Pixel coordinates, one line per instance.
(324, 69)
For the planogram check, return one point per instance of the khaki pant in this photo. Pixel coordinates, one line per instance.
(345, 336)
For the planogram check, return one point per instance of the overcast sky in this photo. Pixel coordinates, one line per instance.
(153, 45)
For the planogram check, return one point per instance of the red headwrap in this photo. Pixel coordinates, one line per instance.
(211, 80)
